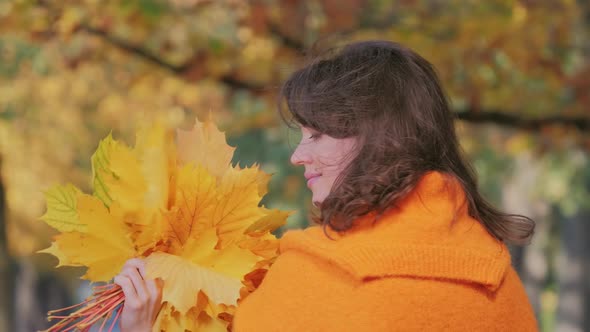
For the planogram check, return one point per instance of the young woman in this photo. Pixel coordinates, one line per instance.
(405, 242)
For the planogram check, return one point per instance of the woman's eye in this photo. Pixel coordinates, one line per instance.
(315, 136)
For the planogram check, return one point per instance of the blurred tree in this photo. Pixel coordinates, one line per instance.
(6, 270)
(36, 294)
(573, 307)
(573, 270)
(517, 71)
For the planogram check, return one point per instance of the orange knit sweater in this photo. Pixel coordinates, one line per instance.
(423, 266)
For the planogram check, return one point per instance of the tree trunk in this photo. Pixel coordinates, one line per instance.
(6, 268)
(573, 273)
(36, 294)
(531, 261)
(25, 296)
(572, 267)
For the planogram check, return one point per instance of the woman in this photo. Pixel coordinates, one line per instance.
(405, 242)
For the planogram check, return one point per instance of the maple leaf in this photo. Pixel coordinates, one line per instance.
(239, 208)
(202, 318)
(155, 150)
(183, 280)
(150, 234)
(271, 221)
(100, 169)
(262, 179)
(117, 175)
(239, 214)
(217, 273)
(230, 261)
(194, 217)
(62, 211)
(259, 240)
(205, 145)
(251, 282)
(103, 246)
(196, 196)
(265, 246)
(156, 154)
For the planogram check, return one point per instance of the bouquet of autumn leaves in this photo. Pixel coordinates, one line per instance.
(176, 201)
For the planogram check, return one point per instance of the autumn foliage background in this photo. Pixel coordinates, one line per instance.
(518, 74)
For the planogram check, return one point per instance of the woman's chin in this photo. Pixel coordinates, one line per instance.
(317, 201)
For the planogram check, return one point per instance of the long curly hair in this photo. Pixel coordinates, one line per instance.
(391, 100)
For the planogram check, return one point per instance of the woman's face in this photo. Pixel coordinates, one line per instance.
(324, 158)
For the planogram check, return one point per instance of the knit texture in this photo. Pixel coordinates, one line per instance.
(425, 265)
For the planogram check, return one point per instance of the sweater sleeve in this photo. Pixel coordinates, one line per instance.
(306, 293)
(299, 293)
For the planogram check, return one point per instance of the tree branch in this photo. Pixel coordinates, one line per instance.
(132, 49)
(509, 120)
(491, 116)
(286, 41)
(237, 84)
(138, 51)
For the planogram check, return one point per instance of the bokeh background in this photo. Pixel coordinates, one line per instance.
(518, 74)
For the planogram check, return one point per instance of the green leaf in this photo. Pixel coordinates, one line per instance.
(62, 209)
(152, 8)
(100, 165)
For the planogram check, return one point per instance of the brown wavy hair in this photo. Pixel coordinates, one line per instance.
(391, 100)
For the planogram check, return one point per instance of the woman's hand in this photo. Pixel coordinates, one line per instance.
(142, 297)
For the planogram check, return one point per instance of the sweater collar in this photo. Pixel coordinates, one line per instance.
(429, 234)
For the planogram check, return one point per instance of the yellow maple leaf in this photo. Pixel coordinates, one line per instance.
(265, 246)
(103, 247)
(196, 196)
(231, 261)
(138, 179)
(154, 148)
(183, 280)
(239, 208)
(149, 234)
(271, 221)
(217, 273)
(262, 179)
(62, 211)
(156, 154)
(100, 169)
(117, 175)
(202, 318)
(196, 218)
(205, 145)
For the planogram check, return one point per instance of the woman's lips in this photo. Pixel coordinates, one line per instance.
(311, 180)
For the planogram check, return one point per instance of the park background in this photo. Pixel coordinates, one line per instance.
(517, 72)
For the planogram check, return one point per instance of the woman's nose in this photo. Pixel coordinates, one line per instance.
(300, 156)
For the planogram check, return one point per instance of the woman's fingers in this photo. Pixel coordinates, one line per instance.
(159, 284)
(131, 281)
(136, 263)
(139, 292)
(138, 282)
(142, 297)
(154, 291)
(155, 287)
(126, 285)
